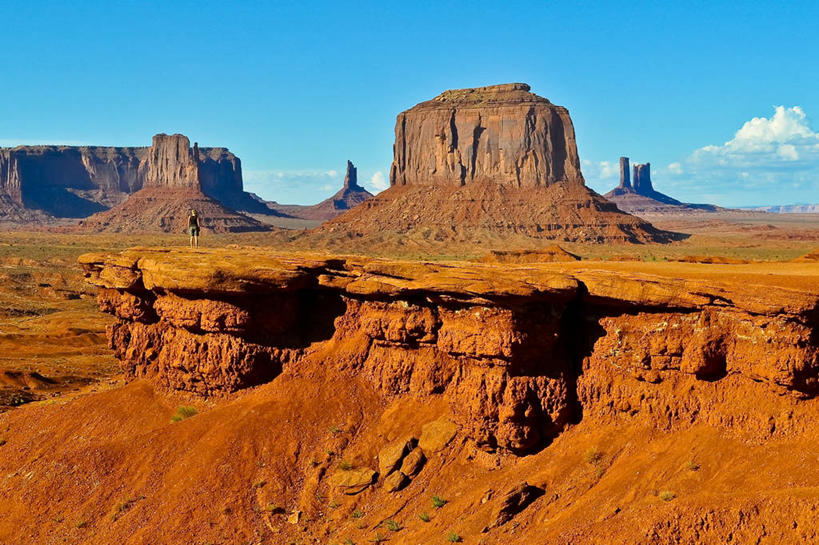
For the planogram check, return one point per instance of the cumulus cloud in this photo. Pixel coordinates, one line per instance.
(378, 181)
(769, 160)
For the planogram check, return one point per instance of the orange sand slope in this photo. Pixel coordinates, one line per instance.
(573, 402)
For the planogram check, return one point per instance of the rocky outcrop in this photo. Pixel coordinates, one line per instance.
(173, 187)
(172, 164)
(481, 164)
(349, 196)
(501, 134)
(518, 352)
(77, 181)
(625, 181)
(638, 196)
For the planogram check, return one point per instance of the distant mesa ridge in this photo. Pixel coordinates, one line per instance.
(47, 182)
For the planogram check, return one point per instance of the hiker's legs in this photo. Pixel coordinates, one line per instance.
(196, 240)
(191, 241)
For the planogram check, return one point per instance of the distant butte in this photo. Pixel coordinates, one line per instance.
(638, 196)
(488, 162)
(173, 186)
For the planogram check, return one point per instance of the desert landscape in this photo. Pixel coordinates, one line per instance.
(482, 349)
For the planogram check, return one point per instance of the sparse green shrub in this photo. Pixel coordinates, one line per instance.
(349, 541)
(452, 537)
(692, 465)
(122, 506)
(81, 524)
(334, 504)
(183, 412)
(392, 526)
(357, 514)
(335, 430)
(378, 538)
(667, 495)
(438, 502)
(259, 484)
(593, 456)
(423, 516)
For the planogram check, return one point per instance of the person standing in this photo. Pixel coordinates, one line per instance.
(193, 228)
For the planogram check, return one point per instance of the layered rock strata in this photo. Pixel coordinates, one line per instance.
(492, 161)
(518, 351)
(500, 134)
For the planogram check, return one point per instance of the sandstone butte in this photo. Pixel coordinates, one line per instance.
(636, 195)
(489, 160)
(575, 402)
(175, 183)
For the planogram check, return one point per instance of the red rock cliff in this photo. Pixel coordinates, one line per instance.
(519, 352)
(501, 133)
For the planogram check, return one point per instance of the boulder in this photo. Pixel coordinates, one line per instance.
(514, 501)
(353, 481)
(413, 462)
(395, 481)
(389, 459)
(437, 434)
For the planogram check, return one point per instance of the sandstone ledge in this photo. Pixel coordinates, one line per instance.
(519, 351)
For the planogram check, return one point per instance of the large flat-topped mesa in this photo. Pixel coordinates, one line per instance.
(501, 133)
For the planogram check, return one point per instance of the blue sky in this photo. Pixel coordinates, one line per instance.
(721, 97)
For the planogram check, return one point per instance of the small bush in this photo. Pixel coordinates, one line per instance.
(357, 514)
(82, 524)
(334, 505)
(392, 526)
(452, 537)
(667, 495)
(349, 541)
(274, 509)
(593, 456)
(335, 430)
(438, 502)
(259, 484)
(378, 538)
(183, 412)
(692, 465)
(344, 465)
(122, 506)
(424, 517)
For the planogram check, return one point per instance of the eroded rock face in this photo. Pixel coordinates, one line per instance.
(171, 162)
(500, 134)
(519, 351)
(77, 181)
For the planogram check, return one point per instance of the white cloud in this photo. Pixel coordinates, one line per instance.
(293, 186)
(770, 160)
(378, 181)
(784, 137)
